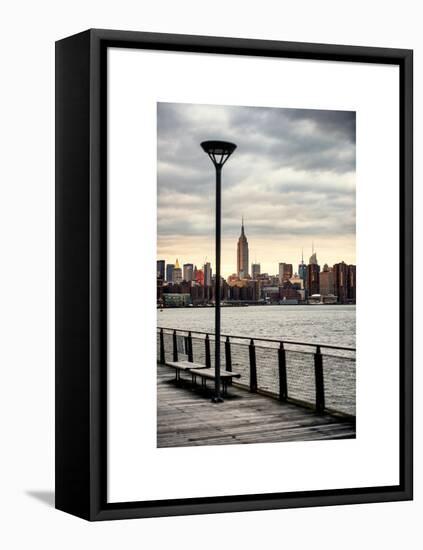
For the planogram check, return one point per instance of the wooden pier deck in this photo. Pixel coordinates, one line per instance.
(186, 417)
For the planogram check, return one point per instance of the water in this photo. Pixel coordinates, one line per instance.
(334, 325)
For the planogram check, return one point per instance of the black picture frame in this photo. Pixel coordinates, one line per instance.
(81, 274)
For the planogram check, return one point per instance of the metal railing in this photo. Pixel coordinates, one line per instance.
(321, 376)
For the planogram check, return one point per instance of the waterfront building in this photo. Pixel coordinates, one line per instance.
(352, 284)
(161, 269)
(188, 272)
(285, 272)
(198, 294)
(159, 294)
(176, 300)
(169, 272)
(177, 272)
(255, 271)
(340, 281)
(270, 294)
(313, 277)
(246, 290)
(224, 289)
(242, 254)
(207, 274)
(326, 281)
(288, 292)
(315, 299)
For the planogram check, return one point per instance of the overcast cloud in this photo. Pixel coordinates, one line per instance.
(292, 176)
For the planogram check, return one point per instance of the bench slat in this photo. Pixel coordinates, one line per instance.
(185, 365)
(210, 373)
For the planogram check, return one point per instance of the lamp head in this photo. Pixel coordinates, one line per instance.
(218, 151)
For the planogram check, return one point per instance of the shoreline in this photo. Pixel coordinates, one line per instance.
(212, 306)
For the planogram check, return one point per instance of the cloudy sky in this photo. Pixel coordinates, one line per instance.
(292, 177)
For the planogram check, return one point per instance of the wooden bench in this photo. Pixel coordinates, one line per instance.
(184, 366)
(209, 373)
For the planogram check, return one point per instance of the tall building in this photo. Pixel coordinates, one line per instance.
(177, 272)
(344, 280)
(188, 272)
(313, 259)
(207, 274)
(255, 271)
(302, 269)
(313, 278)
(340, 281)
(352, 282)
(161, 269)
(326, 281)
(169, 272)
(242, 254)
(285, 272)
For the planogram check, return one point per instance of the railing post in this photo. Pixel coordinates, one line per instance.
(190, 356)
(253, 367)
(320, 387)
(283, 384)
(228, 357)
(175, 348)
(207, 344)
(162, 348)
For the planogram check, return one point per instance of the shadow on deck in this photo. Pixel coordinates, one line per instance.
(186, 417)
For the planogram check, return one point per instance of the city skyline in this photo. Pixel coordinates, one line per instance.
(277, 263)
(292, 178)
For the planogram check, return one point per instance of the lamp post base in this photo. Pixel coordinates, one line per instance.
(217, 399)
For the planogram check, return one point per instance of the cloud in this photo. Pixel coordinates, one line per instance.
(292, 174)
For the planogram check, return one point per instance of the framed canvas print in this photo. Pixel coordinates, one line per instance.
(233, 274)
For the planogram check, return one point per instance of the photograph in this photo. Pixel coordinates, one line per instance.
(256, 274)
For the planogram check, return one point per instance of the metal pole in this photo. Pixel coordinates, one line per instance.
(217, 397)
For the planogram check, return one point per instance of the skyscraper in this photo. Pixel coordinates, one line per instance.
(169, 272)
(177, 272)
(285, 272)
(326, 281)
(255, 270)
(302, 269)
(352, 282)
(313, 279)
(344, 278)
(207, 274)
(188, 272)
(242, 254)
(340, 280)
(313, 275)
(313, 259)
(161, 269)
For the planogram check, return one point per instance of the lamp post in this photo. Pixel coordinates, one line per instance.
(219, 152)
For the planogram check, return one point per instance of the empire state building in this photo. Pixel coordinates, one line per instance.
(242, 254)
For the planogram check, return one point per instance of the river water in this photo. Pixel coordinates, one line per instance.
(330, 324)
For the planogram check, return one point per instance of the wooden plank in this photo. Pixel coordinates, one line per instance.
(186, 418)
